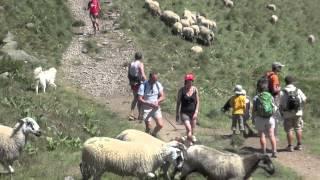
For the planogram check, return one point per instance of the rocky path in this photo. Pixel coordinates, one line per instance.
(103, 77)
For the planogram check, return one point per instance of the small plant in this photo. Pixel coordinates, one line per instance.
(78, 23)
(92, 47)
(30, 150)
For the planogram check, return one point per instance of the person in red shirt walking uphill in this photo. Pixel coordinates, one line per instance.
(188, 106)
(94, 10)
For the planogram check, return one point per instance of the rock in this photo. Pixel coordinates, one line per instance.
(19, 55)
(68, 178)
(9, 37)
(77, 30)
(4, 75)
(30, 25)
(84, 50)
(11, 45)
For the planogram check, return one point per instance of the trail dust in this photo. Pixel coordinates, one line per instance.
(103, 76)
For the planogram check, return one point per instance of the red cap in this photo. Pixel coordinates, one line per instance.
(189, 77)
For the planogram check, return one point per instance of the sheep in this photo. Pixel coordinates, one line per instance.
(311, 39)
(188, 33)
(43, 77)
(206, 22)
(196, 49)
(12, 140)
(177, 28)
(134, 135)
(205, 36)
(218, 165)
(196, 29)
(100, 154)
(228, 3)
(274, 19)
(272, 7)
(153, 7)
(191, 17)
(169, 17)
(185, 22)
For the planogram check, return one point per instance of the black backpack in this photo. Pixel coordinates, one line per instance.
(293, 100)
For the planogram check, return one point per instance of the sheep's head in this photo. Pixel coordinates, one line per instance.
(266, 164)
(30, 126)
(177, 153)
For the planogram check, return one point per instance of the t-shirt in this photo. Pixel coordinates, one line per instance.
(150, 92)
(94, 7)
(274, 83)
(134, 68)
(238, 104)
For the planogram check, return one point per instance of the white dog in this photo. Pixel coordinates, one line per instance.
(44, 77)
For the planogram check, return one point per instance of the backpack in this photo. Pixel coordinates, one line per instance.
(293, 100)
(265, 79)
(264, 106)
(134, 77)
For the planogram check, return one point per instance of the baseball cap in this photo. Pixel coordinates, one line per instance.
(277, 64)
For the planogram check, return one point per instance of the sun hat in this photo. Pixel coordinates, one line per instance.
(277, 64)
(238, 89)
(189, 77)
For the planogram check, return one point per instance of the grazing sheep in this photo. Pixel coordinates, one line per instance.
(274, 19)
(100, 154)
(189, 15)
(228, 3)
(202, 21)
(188, 33)
(311, 39)
(272, 7)
(153, 7)
(169, 17)
(185, 22)
(218, 165)
(205, 36)
(177, 28)
(197, 49)
(12, 140)
(196, 29)
(43, 77)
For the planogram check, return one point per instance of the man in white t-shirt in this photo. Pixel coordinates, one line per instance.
(150, 95)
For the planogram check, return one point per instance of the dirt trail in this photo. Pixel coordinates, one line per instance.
(103, 77)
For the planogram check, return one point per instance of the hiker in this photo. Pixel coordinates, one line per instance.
(187, 107)
(94, 10)
(272, 77)
(238, 105)
(136, 76)
(291, 108)
(248, 131)
(262, 115)
(150, 95)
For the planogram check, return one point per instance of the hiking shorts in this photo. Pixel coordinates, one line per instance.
(93, 17)
(237, 119)
(135, 87)
(186, 116)
(264, 124)
(151, 113)
(293, 123)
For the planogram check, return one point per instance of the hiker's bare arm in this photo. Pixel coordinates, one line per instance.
(198, 100)
(161, 97)
(140, 99)
(141, 67)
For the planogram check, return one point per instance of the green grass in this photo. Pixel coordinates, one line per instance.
(245, 46)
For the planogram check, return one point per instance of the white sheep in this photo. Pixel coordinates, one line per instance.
(169, 17)
(196, 29)
(219, 165)
(185, 22)
(43, 77)
(311, 39)
(272, 7)
(196, 49)
(125, 158)
(205, 36)
(188, 33)
(189, 15)
(202, 21)
(177, 28)
(153, 7)
(228, 3)
(274, 19)
(12, 140)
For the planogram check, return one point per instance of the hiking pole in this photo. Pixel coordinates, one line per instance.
(172, 124)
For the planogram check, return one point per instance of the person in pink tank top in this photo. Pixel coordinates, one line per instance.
(94, 10)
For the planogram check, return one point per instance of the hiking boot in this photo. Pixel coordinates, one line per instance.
(298, 147)
(274, 155)
(289, 148)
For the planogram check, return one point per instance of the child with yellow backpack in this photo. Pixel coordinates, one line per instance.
(238, 105)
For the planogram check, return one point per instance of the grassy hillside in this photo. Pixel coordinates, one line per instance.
(245, 45)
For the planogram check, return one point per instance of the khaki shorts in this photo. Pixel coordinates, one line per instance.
(151, 113)
(294, 123)
(264, 124)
